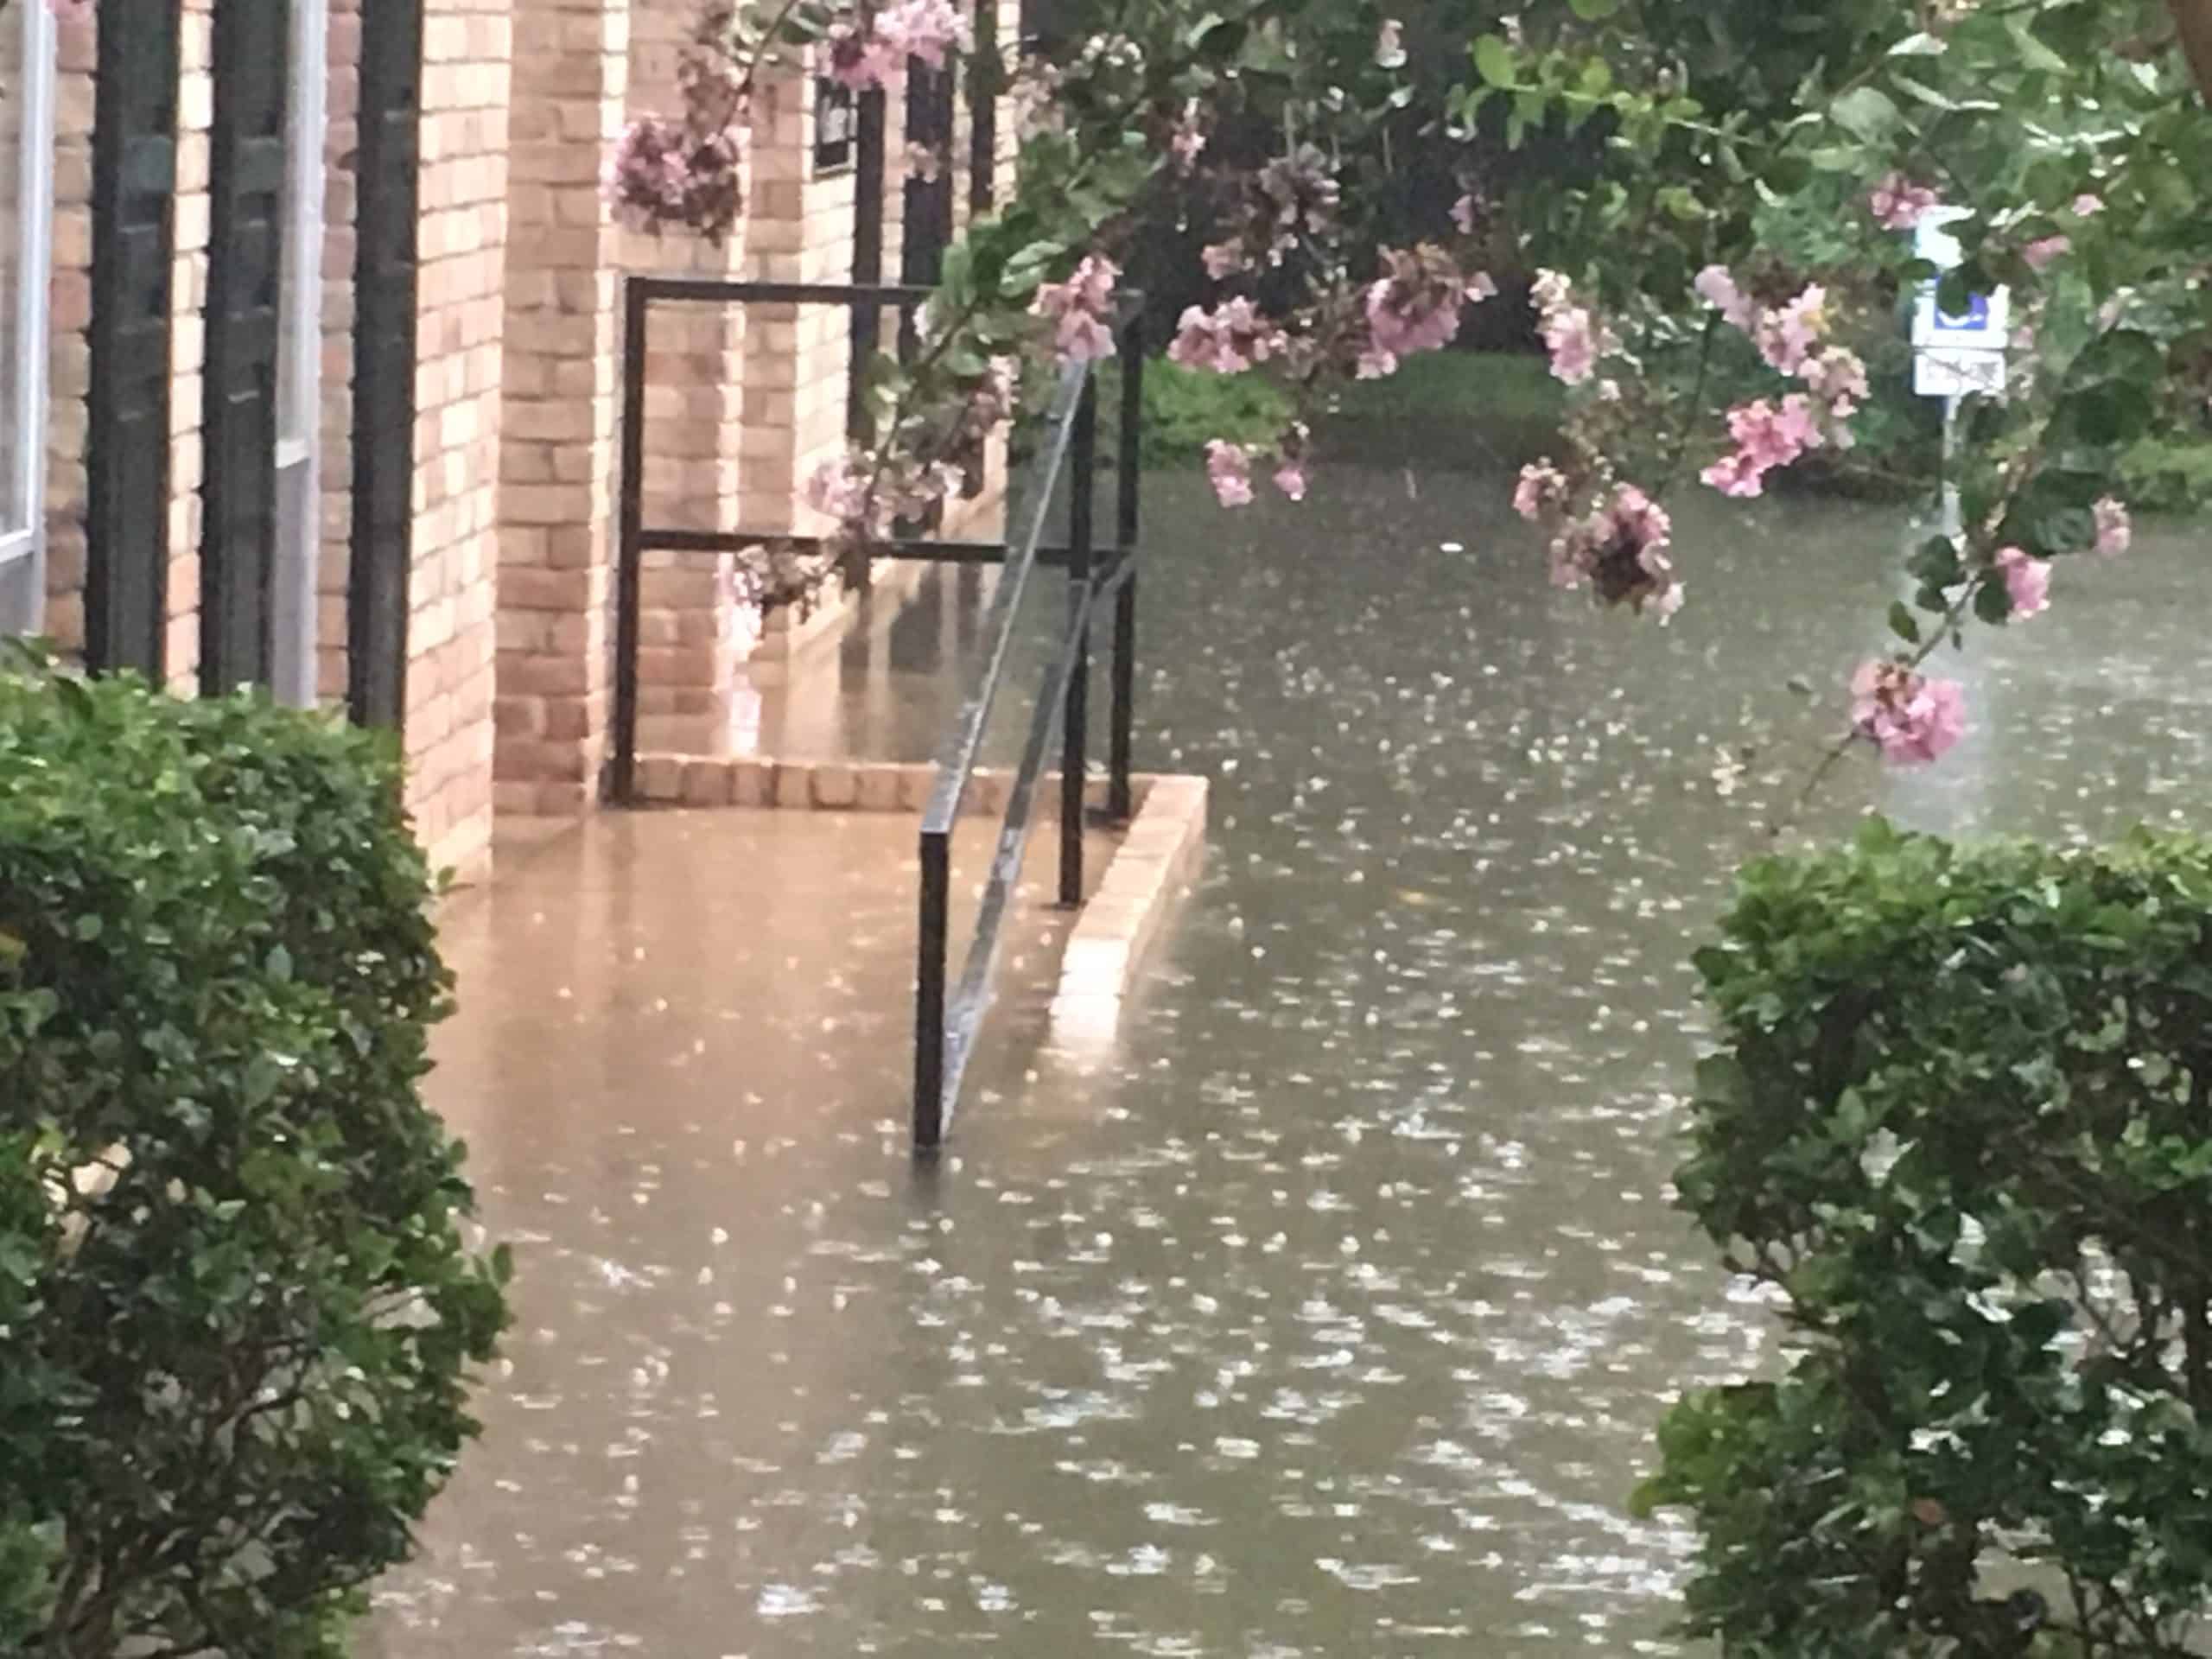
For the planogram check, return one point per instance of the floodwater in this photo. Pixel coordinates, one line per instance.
(1328, 1311)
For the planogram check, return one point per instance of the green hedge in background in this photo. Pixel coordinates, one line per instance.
(238, 1316)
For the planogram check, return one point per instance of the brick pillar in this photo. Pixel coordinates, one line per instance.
(334, 468)
(467, 72)
(557, 494)
(189, 351)
(69, 353)
(694, 631)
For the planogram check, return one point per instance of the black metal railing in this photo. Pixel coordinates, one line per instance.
(947, 1015)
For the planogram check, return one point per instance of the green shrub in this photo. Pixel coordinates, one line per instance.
(1960, 1125)
(235, 1312)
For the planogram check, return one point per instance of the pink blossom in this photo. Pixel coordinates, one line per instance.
(1463, 214)
(1718, 289)
(2115, 527)
(1543, 490)
(1227, 340)
(1914, 720)
(2087, 206)
(1898, 204)
(648, 173)
(1390, 44)
(927, 30)
(2027, 582)
(1414, 307)
(1190, 140)
(1571, 336)
(1082, 309)
(1786, 337)
(2041, 256)
(1837, 377)
(1620, 552)
(1767, 438)
(838, 488)
(1229, 469)
(861, 59)
(1290, 479)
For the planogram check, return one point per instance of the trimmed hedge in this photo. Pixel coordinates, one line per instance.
(236, 1314)
(1960, 1127)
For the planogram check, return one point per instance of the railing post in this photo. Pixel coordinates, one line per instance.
(1075, 721)
(929, 990)
(1127, 526)
(870, 161)
(630, 572)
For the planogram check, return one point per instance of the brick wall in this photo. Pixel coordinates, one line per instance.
(69, 351)
(467, 87)
(341, 142)
(557, 462)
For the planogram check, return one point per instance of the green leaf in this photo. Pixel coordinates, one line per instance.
(1496, 61)
(1867, 113)
(1904, 623)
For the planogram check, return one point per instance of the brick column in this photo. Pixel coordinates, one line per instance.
(334, 467)
(466, 81)
(69, 352)
(694, 632)
(557, 494)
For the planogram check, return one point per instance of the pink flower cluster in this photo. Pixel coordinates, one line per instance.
(2027, 580)
(1570, 331)
(1228, 340)
(663, 172)
(1619, 550)
(1414, 307)
(1081, 310)
(1769, 436)
(2042, 255)
(1543, 492)
(1898, 204)
(868, 54)
(1914, 720)
(867, 494)
(2115, 528)
(1229, 469)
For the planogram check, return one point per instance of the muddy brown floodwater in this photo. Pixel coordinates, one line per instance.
(1330, 1310)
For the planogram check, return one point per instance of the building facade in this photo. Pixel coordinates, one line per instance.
(310, 336)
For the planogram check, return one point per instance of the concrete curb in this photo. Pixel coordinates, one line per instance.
(698, 781)
(1155, 865)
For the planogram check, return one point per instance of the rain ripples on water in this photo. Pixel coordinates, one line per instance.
(1328, 1311)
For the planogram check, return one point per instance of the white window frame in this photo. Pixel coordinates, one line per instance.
(299, 360)
(23, 381)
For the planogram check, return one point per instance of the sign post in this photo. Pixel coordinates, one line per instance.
(1956, 356)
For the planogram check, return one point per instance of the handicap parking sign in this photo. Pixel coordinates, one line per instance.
(1974, 321)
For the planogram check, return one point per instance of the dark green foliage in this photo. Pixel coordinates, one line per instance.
(1960, 1122)
(237, 1315)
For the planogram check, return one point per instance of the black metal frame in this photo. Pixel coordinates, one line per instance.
(248, 174)
(947, 1017)
(127, 452)
(384, 349)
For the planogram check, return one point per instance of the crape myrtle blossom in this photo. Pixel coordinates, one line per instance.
(2027, 580)
(1898, 204)
(1229, 338)
(1081, 310)
(2115, 527)
(1912, 719)
(1770, 435)
(1617, 549)
(1570, 331)
(1415, 305)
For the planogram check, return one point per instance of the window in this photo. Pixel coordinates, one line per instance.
(299, 359)
(26, 222)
